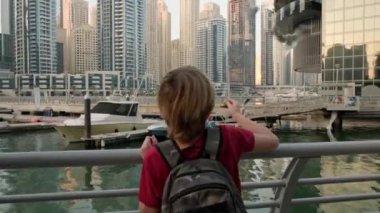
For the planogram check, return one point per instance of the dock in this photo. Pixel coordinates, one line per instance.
(23, 127)
(117, 138)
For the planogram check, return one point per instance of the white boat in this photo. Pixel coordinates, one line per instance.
(106, 117)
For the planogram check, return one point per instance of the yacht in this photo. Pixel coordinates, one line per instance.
(106, 117)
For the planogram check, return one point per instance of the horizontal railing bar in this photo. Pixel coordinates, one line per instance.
(335, 198)
(261, 205)
(264, 184)
(131, 156)
(332, 180)
(310, 181)
(133, 191)
(55, 196)
(311, 150)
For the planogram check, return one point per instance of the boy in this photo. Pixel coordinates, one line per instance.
(185, 101)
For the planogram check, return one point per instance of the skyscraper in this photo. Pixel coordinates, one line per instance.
(84, 49)
(211, 43)
(175, 52)
(79, 13)
(6, 35)
(83, 39)
(158, 39)
(189, 12)
(61, 56)
(121, 37)
(35, 37)
(164, 39)
(267, 75)
(92, 16)
(241, 43)
(152, 34)
(63, 35)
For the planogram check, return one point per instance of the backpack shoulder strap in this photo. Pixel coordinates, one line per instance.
(170, 153)
(213, 142)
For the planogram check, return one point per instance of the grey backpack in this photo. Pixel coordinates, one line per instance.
(199, 185)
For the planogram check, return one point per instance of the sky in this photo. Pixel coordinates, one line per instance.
(173, 6)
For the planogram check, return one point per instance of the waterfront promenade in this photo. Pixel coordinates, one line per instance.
(255, 108)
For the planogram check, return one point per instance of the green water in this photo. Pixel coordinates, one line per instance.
(116, 177)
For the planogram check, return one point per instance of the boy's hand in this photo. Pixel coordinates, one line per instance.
(233, 107)
(148, 143)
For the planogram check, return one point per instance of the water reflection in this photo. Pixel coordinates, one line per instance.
(349, 166)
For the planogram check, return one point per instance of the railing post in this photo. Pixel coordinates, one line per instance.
(87, 122)
(291, 176)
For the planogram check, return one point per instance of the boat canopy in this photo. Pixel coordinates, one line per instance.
(114, 108)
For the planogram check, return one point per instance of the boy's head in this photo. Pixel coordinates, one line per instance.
(185, 100)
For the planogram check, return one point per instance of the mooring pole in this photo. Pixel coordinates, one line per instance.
(87, 120)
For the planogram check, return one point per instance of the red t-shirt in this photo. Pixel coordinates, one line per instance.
(155, 170)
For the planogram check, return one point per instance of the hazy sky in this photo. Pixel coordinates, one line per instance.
(174, 10)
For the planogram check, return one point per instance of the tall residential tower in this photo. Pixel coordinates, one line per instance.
(121, 38)
(158, 40)
(211, 43)
(6, 35)
(83, 39)
(35, 37)
(189, 12)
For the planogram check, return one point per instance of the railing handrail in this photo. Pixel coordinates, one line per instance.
(131, 156)
(300, 152)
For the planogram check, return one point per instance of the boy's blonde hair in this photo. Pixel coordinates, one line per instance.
(185, 100)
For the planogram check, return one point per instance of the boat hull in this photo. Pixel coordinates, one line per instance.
(74, 133)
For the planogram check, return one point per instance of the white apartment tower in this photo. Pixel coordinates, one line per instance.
(35, 36)
(84, 49)
(83, 39)
(267, 75)
(121, 38)
(79, 13)
(211, 43)
(164, 39)
(189, 12)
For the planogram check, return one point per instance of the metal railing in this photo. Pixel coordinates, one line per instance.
(300, 154)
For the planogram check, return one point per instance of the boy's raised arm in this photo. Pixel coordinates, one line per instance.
(265, 140)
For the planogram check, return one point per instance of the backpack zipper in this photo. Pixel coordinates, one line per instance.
(197, 188)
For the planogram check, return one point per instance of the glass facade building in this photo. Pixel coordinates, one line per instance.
(351, 41)
(211, 43)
